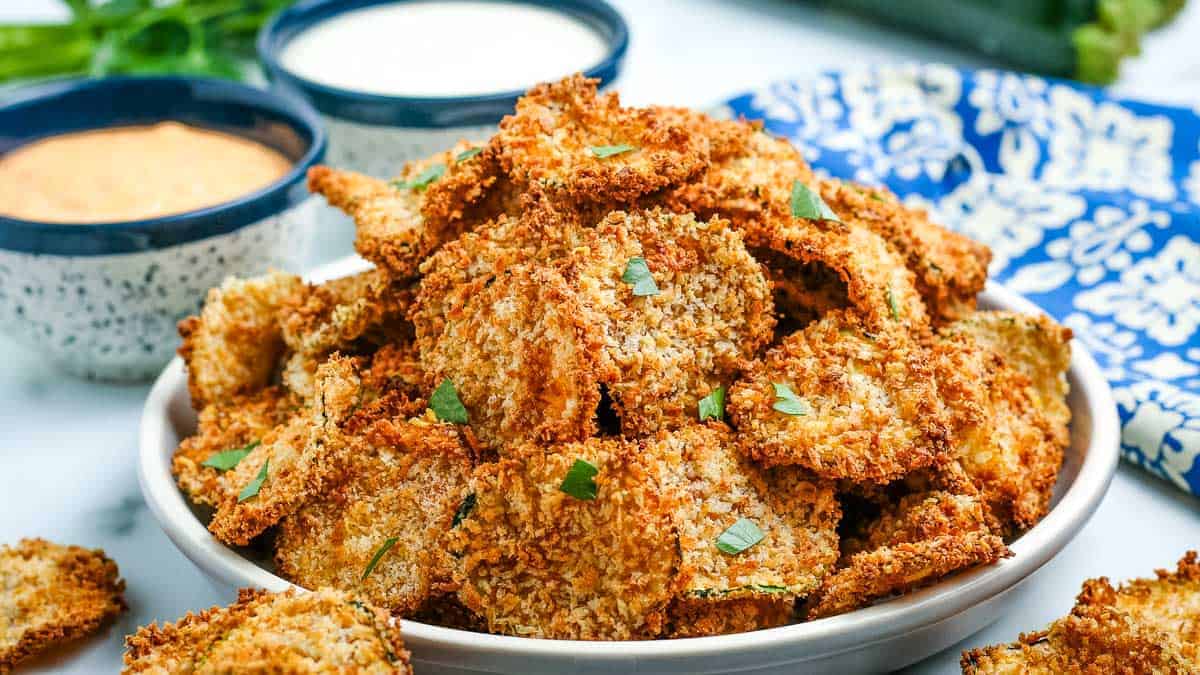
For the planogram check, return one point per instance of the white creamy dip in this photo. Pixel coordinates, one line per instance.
(443, 49)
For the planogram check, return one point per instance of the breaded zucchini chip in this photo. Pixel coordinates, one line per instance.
(1035, 346)
(690, 617)
(798, 518)
(389, 230)
(823, 264)
(379, 532)
(325, 631)
(294, 461)
(914, 543)
(538, 235)
(571, 541)
(233, 346)
(749, 175)
(523, 353)
(226, 430)
(51, 594)
(702, 316)
(949, 269)
(1092, 640)
(999, 436)
(353, 313)
(580, 146)
(1170, 603)
(844, 402)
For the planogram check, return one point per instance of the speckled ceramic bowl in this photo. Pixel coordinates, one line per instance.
(101, 300)
(883, 637)
(376, 134)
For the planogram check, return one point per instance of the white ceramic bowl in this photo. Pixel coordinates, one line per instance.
(882, 637)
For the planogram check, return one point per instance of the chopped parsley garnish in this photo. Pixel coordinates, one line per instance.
(383, 549)
(713, 405)
(227, 459)
(422, 179)
(603, 151)
(580, 480)
(637, 274)
(808, 204)
(739, 536)
(893, 305)
(255, 485)
(446, 405)
(467, 154)
(464, 510)
(787, 402)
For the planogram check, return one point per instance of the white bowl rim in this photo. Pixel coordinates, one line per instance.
(828, 636)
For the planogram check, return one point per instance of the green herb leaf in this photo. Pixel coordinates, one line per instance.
(787, 402)
(637, 274)
(739, 536)
(227, 459)
(808, 204)
(713, 405)
(445, 403)
(379, 553)
(255, 485)
(422, 180)
(580, 480)
(603, 151)
(753, 588)
(891, 297)
(464, 510)
(467, 154)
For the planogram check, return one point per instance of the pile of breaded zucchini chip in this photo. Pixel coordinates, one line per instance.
(622, 374)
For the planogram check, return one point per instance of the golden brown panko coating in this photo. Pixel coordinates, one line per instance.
(710, 317)
(301, 457)
(717, 487)
(406, 483)
(829, 261)
(236, 423)
(325, 631)
(1092, 640)
(949, 269)
(535, 561)
(1169, 603)
(690, 617)
(51, 594)
(1037, 347)
(232, 346)
(354, 313)
(1001, 439)
(548, 143)
(749, 176)
(913, 544)
(870, 406)
(523, 353)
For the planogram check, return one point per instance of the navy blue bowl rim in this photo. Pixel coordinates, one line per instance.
(423, 112)
(131, 236)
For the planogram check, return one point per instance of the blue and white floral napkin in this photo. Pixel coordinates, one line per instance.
(1090, 204)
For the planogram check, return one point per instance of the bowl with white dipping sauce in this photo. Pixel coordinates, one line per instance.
(397, 80)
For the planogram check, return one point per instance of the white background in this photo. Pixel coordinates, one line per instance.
(67, 448)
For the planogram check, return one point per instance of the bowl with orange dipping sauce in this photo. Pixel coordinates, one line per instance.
(123, 200)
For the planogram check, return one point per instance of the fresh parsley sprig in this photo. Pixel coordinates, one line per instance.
(227, 459)
(713, 405)
(580, 481)
(739, 536)
(637, 274)
(605, 151)
(252, 488)
(787, 402)
(808, 204)
(446, 405)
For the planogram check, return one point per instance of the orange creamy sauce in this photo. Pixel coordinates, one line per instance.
(132, 173)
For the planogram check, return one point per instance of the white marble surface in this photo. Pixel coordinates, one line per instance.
(67, 448)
